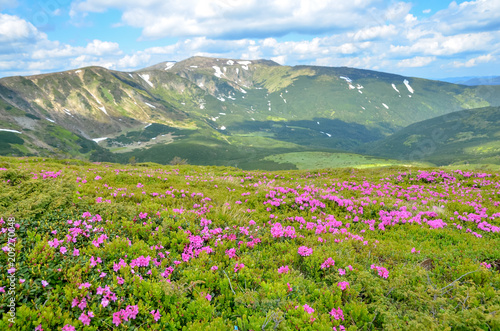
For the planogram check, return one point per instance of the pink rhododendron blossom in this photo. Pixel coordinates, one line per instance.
(156, 315)
(308, 309)
(382, 272)
(329, 262)
(68, 327)
(343, 285)
(238, 267)
(337, 313)
(231, 253)
(283, 270)
(305, 251)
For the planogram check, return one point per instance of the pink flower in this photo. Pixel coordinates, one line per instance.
(116, 318)
(83, 304)
(213, 268)
(337, 313)
(76, 252)
(328, 263)
(120, 280)
(84, 319)
(68, 327)
(341, 272)
(343, 285)
(238, 267)
(341, 328)
(283, 270)
(290, 289)
(208, 297)
(382, 272)
(45, 283)
(21, 280)
(2, 289)
(156, 315)
(63, 250)
(305, 251)
(231, 253)
(308, 309)
(84, 285)
(11, 270)
(39, 328)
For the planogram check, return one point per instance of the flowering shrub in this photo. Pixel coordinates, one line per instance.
(305, 251)
(103, 247)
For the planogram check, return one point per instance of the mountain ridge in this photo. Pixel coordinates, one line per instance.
(234, 102)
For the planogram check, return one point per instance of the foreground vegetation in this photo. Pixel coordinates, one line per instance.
(105, 246)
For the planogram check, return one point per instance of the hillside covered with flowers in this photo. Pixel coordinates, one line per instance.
(111, 247)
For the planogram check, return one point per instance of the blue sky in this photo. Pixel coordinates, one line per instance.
(421, 38)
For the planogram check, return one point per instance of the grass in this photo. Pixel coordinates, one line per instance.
(322, 160)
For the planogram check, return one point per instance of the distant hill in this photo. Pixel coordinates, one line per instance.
(473, 81)
(217, 111)
(467, 136)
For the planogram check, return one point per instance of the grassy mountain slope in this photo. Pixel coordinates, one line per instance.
(471, 136)
(221, 104)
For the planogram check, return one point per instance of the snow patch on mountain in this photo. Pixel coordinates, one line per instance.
(150, 105)
(386, 106)
(347, 79)
(218, 73)
(9, 130)
(169, 65)
(103, 110)
(98, 140)
(146, 79)
(407, 83)
(395, 88)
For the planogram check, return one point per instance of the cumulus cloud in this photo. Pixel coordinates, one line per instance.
(25, 50)
(474, 61)
(233, 18)
(446, 45)
(15, 30)
(416, 62)
(479, 15)
(369, 34)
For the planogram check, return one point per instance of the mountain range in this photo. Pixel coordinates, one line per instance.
(249, 114)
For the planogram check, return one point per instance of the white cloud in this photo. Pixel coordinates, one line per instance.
(279, 59)
(474, 61)
(233, 19)
(375, 32)
(416, 62)
(479, 15)
(447, 45)
(16, 30)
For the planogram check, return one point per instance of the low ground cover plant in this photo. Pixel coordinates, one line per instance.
(114, 247)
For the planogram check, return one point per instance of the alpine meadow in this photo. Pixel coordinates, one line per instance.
(233, 165)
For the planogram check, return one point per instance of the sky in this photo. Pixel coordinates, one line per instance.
(421, 38)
